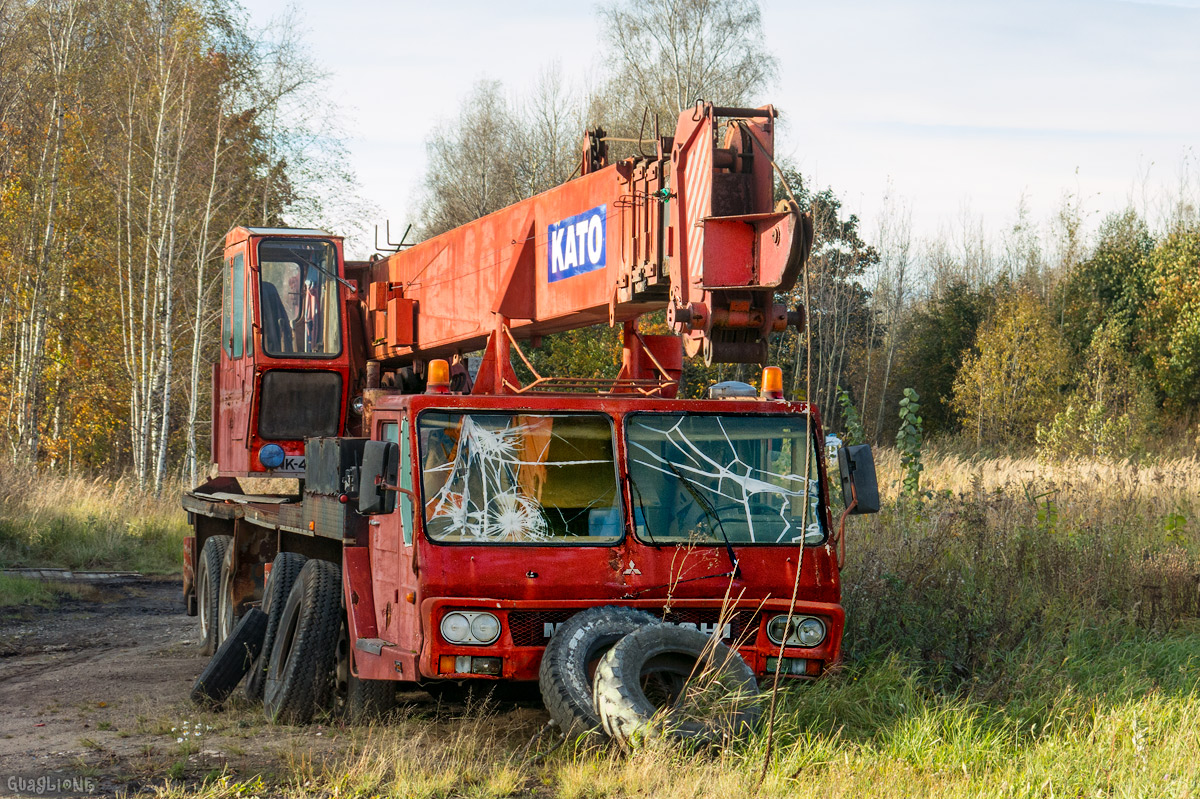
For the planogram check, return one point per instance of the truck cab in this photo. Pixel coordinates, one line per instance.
(284, 370)
(509, 516)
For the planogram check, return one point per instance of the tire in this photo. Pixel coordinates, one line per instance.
(227, 616)
(369, 700)
(640, 681)
(232, 660)
(284, 571)
(208, 591)
(300, 672)
(362, 700)
(575, 649)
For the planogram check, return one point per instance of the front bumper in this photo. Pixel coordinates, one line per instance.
(526, 627)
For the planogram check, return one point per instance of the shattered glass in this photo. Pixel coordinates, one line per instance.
(724, 479)
(519, 478)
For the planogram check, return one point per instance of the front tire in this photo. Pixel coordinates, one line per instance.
(208, 591)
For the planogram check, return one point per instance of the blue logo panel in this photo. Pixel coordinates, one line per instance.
(576, 245)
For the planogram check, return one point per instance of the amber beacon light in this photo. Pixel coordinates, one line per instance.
(772, 383)
(439, 377)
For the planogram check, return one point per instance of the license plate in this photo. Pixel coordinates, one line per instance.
(292, 463)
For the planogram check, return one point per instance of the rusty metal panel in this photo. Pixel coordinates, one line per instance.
(401, 322)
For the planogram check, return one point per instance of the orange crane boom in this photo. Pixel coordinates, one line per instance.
(693, 229)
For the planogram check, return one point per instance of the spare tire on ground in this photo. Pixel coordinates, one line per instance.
(284, 571)
(233, 659)
(570, 659)
(667, 681)
(301, 668)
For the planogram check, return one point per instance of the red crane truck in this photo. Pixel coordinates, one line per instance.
(440, 527)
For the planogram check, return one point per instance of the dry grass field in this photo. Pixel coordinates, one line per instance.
(1025, 629)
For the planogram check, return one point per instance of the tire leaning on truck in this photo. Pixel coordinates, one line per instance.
(231, 661)
(208, 591)
(668, 681)
(284, 571)
(300, 671)
(565, 676)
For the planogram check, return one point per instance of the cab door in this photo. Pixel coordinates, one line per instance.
(235, 374)
(397, 592)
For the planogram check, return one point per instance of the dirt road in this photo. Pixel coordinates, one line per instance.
(96, 689)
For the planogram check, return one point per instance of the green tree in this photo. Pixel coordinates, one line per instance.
(1112, 284)
(936, 335)
(1014, 376)
(1171, 328)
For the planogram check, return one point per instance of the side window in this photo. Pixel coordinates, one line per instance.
(225, 330)
(398, 433)
(239, 304)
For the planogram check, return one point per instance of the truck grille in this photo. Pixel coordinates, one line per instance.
(534, 627)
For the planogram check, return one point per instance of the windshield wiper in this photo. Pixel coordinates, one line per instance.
(709, 512)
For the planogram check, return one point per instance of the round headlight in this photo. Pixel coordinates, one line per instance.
(809, 632)
(271, 456)
(456, 628)
(775, 629)
(485, 628)
(356, 405)
(805, 631)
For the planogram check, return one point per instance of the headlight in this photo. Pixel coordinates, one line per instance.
(485, 628)
(456, 628)
(806, 631)
(468, 627)
(356, 405)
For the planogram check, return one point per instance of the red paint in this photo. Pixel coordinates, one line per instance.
(691, 229)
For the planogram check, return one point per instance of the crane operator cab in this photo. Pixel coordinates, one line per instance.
(284, 369)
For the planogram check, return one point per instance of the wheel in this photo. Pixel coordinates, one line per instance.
(208, 591)
(304, 655)
(232, 660)
(570, 659)
(227, 616)
(368, 700)
(664, 680)
(362, 700)
(284, 571)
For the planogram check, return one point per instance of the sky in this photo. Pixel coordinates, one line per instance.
(957, 111)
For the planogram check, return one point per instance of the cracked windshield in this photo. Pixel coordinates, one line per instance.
(717, 479)
(519, 478)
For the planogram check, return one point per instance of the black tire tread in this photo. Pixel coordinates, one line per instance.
(368, 700)
(284, 571)
(562, 677)
(232, 660)
(627, 714)
(297, 688)
(212, 557)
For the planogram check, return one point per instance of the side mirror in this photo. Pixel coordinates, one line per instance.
(857, 465)
(380, 469)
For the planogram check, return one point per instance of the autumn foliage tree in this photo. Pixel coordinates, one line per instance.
(135, 134)
(1014, 376)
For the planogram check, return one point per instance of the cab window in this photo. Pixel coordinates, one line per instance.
(298, 298)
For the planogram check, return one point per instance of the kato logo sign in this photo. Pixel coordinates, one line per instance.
(577, 244)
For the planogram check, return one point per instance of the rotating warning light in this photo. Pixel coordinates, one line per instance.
(439, 377)
(772, 383)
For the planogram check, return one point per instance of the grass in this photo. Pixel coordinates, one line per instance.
(76, 522)
(17, 591)
(1025, 630)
